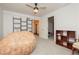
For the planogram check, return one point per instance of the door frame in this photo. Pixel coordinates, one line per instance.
(53, 25)
(35, 22)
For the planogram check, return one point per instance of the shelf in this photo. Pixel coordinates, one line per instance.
(29, 27)
(24, 25)
(65, 43)
(23, 29)
(23, 21)
(17, 18)
(16, 23)
(67, 39)
(64, 38)
(17, 27)
(29, 20)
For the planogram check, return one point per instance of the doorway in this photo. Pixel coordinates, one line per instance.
(36, 27)
(51, 27)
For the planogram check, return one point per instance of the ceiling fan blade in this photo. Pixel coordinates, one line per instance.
(29, 6)
(42, 7)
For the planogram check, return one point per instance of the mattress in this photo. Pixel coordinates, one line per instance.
(18, 43)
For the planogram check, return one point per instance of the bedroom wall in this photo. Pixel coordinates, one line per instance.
(8, 20)
(66, 18)
(43, 28)
(1, 23)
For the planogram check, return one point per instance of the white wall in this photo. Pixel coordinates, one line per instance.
(8, 20)
(66, 18)
(43, 28)
(1, 23)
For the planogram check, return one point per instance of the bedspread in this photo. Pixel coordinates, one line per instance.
(17, 43)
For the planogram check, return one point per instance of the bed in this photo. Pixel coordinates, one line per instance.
(18, 43)
(75, 47)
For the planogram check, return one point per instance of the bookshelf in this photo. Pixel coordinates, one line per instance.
(65, 38)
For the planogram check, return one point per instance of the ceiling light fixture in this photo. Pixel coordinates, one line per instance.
(36, 10)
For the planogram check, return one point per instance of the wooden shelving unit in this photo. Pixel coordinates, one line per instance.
(65, 38)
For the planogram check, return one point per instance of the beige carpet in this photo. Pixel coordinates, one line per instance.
(48, 47)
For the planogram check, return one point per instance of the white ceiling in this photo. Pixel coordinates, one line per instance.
(21, 8)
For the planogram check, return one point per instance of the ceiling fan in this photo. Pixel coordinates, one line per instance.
(35, 8)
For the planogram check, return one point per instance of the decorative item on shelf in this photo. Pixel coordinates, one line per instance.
(59, 36)
(65, 33)
(65, 43)
(71, 40)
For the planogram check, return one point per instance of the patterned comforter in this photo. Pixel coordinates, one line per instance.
(17, 43)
